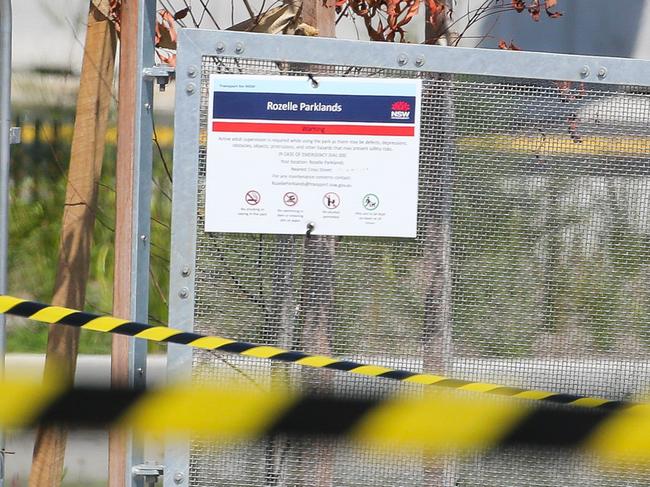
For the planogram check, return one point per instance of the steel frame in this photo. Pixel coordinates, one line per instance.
(193, 44)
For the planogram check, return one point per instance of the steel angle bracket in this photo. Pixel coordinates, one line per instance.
(14, 135)
(161, 73)
(149, 471)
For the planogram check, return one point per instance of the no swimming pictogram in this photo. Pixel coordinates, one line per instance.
(290, 198)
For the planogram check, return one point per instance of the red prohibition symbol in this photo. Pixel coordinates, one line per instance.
(331, 200)
(290, 198)
(252, 197)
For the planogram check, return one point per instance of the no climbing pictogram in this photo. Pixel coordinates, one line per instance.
(252, 197)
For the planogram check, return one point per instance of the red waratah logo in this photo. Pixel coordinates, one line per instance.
(402, 106)
(400, 110)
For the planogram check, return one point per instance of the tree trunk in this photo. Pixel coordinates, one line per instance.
(436, 329)
(77, 227)
(281, 318)
(317, 308)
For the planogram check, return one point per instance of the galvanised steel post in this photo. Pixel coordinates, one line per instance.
(141, 214)
(5, 125)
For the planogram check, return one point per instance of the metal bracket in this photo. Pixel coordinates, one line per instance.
(14, 135)
(162, 73)
(150, 471)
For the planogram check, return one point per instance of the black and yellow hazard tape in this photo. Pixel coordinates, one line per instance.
(436, 423)
(110, 324)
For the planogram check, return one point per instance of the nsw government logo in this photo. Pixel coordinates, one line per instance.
(400, 110)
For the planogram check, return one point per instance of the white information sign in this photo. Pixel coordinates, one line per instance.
(338, 155)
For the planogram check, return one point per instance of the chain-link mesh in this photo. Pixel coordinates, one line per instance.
(530, 268)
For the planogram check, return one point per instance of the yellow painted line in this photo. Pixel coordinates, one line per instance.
(517, 143)
(47, 133)
(556, 144)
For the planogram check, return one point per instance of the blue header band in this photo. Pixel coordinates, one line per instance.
(316, 108)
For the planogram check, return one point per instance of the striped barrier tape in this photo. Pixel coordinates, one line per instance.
(110, 324)
(435, 423)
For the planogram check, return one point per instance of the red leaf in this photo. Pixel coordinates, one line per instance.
(535, 10)
(436, 8)
(412, 11)
(518, 5)
(510, 47)
(550, 4)
(553, 15)
(392, 10)
(340, 3)
(165, 35)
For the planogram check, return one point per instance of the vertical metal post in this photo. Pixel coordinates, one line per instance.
(5, 125)
(143, 154)
(183, 238)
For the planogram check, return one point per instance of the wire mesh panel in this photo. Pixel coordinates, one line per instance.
(530, 269)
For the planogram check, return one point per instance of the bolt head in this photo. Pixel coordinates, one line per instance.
(220, 47)
(402, 59)
(191, 71)
(419, 61)
(584, 72)
(179, 477)
(184, 293)
(602, 72)
(185, 271)
(239, 48)
(190, 88)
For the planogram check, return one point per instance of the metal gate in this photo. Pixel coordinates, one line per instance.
(531, 265)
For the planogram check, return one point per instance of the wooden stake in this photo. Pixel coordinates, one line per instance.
(321, 15)
(87, 151)
(124, 265)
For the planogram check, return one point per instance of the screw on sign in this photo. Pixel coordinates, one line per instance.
(290, 199)
(331, 200)
(252, 197)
